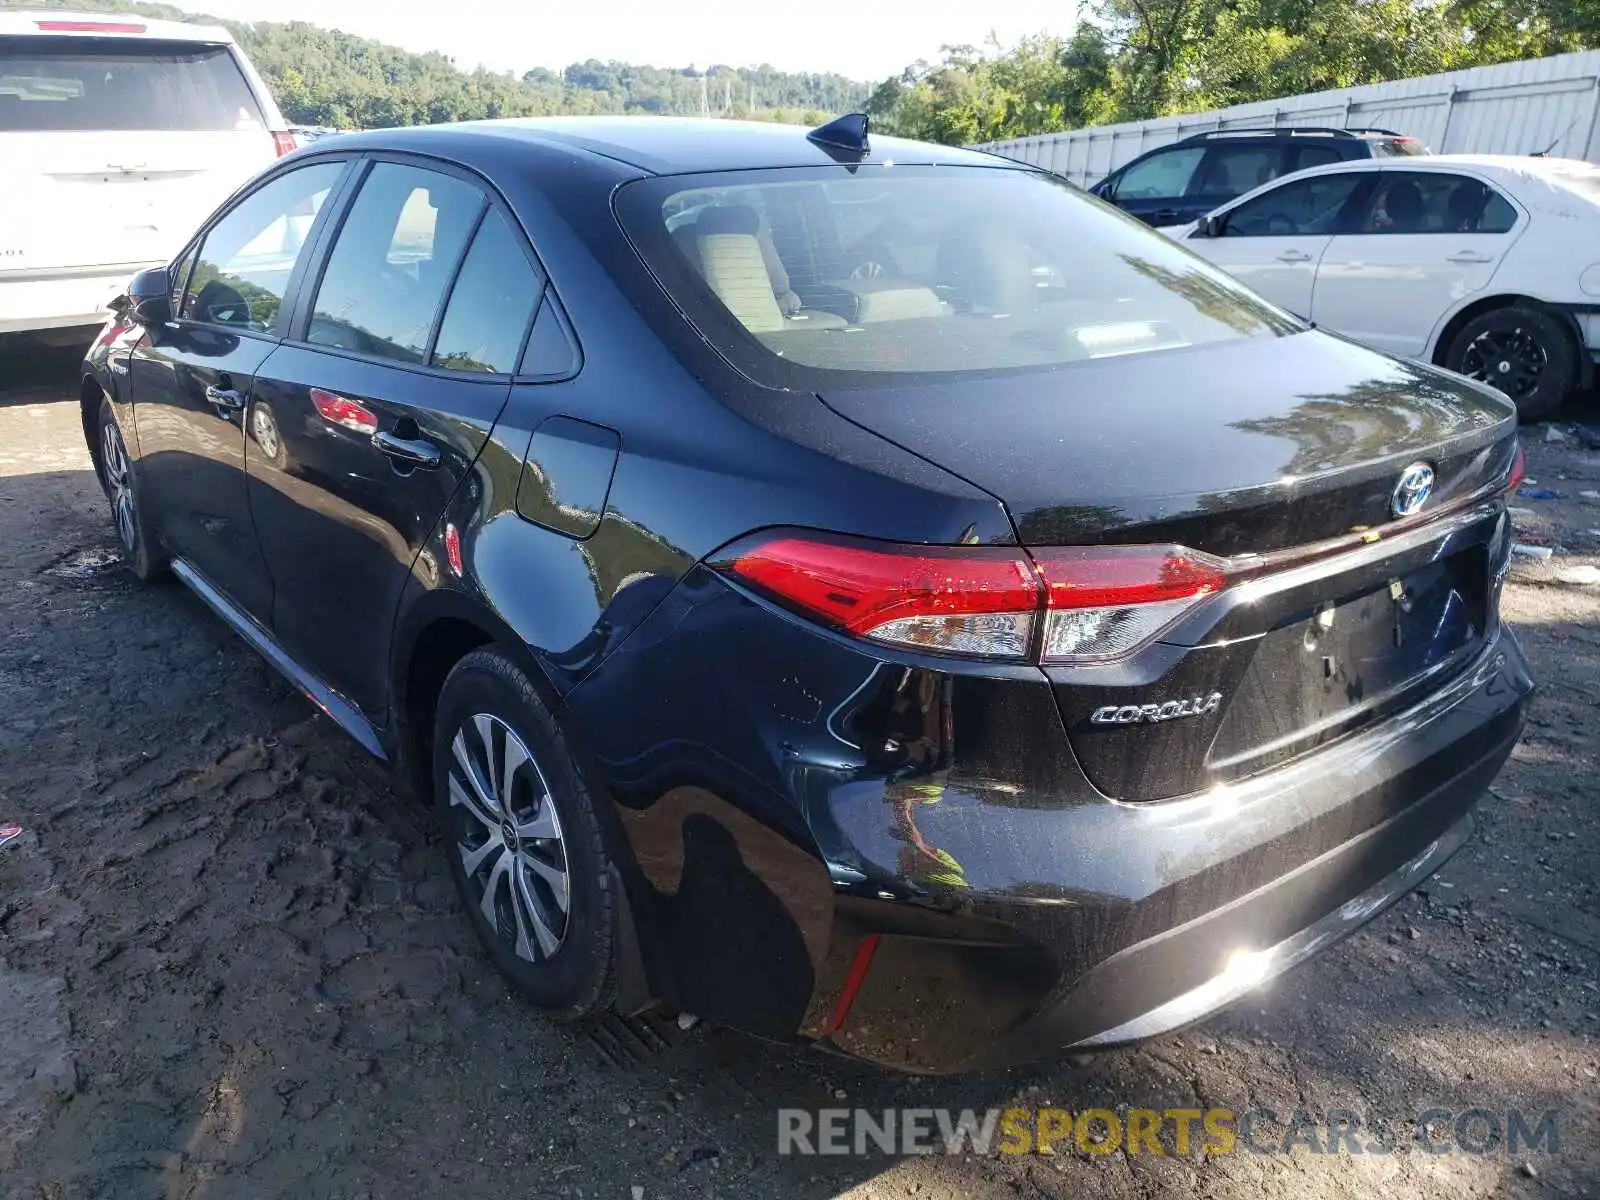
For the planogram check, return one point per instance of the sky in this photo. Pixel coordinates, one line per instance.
(866, 40)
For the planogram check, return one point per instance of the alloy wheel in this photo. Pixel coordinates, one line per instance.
(508, 835)
(1512, 360)
(119, 481)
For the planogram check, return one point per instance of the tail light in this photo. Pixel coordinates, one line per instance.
(284, 142)
(1519, 469)
(1066, 604)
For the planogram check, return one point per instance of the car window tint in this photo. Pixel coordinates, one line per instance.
(1235, 170)
(1436, 202)
(1299, 208)
(246, 259)
(491, 303)
(1315, 156)
(956, 271)
(180, 275)
(1160, 176)
(549, 351)
(387, 272)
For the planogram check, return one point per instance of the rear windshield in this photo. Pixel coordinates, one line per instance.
(888, 271)
(89, 84)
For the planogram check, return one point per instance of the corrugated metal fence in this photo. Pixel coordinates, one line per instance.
(1512, 108)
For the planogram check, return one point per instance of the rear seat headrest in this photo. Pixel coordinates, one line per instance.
(734, 218)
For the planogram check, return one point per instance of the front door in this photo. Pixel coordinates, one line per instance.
(1426, 241)
(1274, 242)
(191, 381)
(364, 424)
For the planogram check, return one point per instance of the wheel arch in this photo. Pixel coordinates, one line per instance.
(90, 397)
(437, 631)
(1470, 311)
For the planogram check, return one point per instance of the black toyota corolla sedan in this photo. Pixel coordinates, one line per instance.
(863, 593)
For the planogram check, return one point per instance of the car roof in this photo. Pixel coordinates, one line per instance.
(668, 145)
(1509, 164)
(57, 22)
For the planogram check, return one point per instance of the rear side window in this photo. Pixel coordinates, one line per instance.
(491, 303)
(395, 254)
(1436, 202)
(1315, 156)
(903, 271)
(1234, 170)
(1160, 176)
(86, 84)
(243, 268)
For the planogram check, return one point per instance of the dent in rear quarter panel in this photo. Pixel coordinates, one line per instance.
(825, 774)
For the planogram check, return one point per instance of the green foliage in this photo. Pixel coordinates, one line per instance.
(1134, 59)
(325, 77)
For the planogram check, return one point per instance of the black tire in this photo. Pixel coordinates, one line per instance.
(120, 481)
(1527, 353)
(578, 976)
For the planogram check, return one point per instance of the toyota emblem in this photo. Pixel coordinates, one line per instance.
(1413, 490)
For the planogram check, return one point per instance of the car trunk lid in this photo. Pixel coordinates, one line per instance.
(1281, 456)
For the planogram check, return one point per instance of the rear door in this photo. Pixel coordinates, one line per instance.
(191, 380)
(365, 422)
(116, 148)
(1274, 241)
(1426, 241)
(1228, 171)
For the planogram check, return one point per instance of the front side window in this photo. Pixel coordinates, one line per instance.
(1300, 208)
(396, 251)
(246, 260)
(1162, 176)
(1436, 202)
(493, 300)
(77, 84)
(887, 272)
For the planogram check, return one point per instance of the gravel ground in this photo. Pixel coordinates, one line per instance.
(231, 965)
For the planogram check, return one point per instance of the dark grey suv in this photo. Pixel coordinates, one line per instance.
(1182, 182)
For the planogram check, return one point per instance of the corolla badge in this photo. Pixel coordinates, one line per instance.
(1413, 490)
(1140, 714)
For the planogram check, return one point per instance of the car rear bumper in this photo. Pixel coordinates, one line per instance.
(825, 841)
(61, 297)
(1252, 880)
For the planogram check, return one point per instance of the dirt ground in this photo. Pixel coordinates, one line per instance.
(231, 964)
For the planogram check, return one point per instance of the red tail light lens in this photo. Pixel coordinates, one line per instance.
(1519, 469)
(284, 142)
(90, 27)
(357, 418)
(1105, 601)
(953, 599)
(1060, 604)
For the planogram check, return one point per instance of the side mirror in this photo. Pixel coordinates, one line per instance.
(1210, 227)
(148, 299)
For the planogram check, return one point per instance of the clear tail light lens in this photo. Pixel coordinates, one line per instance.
(1106, 601)
(1069, 604)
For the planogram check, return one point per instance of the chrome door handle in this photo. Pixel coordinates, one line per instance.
(418, 453)
(1470, 256)
(226, 398)
(1294, 256)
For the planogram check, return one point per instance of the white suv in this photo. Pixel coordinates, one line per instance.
(118, 136)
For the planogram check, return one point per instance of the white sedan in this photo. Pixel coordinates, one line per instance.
(1487, 265)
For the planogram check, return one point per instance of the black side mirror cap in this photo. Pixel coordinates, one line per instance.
(148, 299)
(1209, 227)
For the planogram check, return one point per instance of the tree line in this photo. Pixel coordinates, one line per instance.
(1130, 60)
(327, 77)
(1127, 60)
